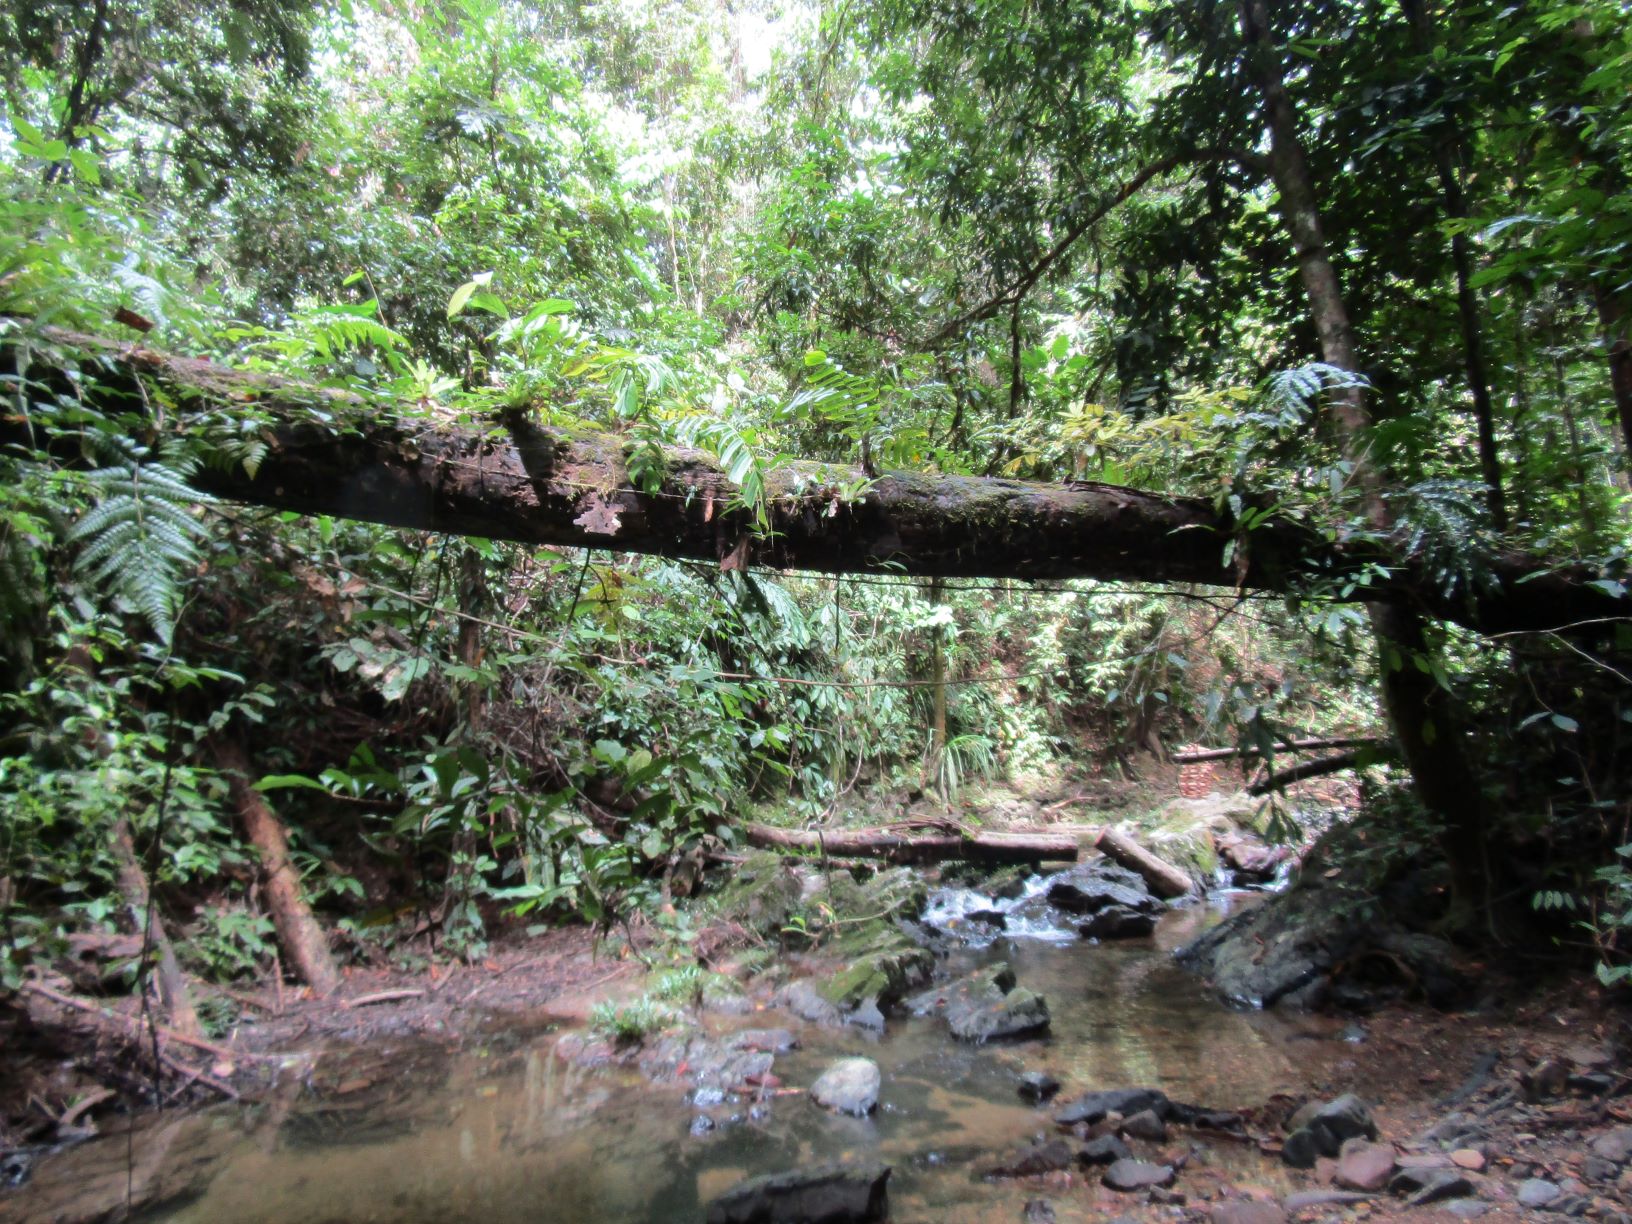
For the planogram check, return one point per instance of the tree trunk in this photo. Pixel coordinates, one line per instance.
(1165, 880)
(937, 724)
(174, 997)
(1304, 745)
(560, 487)
(918, 844)
(1618, 351)
(1418, 707)
(302, 938)
(1317, 769)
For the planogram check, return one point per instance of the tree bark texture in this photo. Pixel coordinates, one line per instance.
(1192, 755)
(303, 940)
(918, 844)
(1319, 768)
(543, 485)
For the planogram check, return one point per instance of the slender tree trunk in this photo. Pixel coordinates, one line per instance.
(79, 108)
(174, 997)
(1467, 302)
(1419, 708)
(937, 726)
(1612, 317)
(298, 931)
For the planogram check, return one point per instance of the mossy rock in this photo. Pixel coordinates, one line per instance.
(763, 896)
(884, 976)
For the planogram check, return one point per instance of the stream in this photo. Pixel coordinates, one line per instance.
(506, 1131)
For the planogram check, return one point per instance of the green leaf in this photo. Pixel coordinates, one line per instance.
(274, 782)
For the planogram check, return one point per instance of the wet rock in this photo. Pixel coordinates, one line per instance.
(804, 1000)
(866, 1016)
(1098, 886)
(1321, 1130)
(985, 1005)
(1466, 1208)
(701, 1125)
(1363, 1165)
(988, 917)
(1107, 1149)
(1146, 1125)
(1048, 1157)
(1204, 1119)
(1038, 1086)
(1422, 1186)
(1038, 1211)
(768, 1041)
(1454, 1130)
(848, 1086)
(1324, 1198)
(1118, 922)
(1592, 1083)
(825, 1194)
(1470, 1159)
(1128, 1176)
(704, 1061)
(1538, 1192)
(1614, 1145)
(1248, 1213)
(1250, 859)
(1090, 1107)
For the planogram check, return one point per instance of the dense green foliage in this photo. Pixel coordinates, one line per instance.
(986, 237)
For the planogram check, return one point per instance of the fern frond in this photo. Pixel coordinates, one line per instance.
(141, 538)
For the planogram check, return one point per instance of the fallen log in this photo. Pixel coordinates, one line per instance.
(909, 845)
(329, 453)
(1371, 755)
(1193, 755)
(1164, 879)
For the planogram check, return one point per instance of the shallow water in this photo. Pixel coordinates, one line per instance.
(510, 1133)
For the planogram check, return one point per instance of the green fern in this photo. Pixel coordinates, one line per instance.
(733, 447)
(141, 538)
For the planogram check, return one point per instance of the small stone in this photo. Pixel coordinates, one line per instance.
(1538, 1192)
(866, 1016)
(1127, 1176)
(1301, 1149)
(1468, 1158)
(701, 1125)
(1038, 1086)
(1597, 1169)
(1038, 1211)
(1548, 1078)
(1467, 1208)
(1614, 1145)
(1248, 1213)
(1145, 1125)
(1107, 1149)
(1363, 1165)
(1324, 1198)
(1167, 1198)
(1092, 1106)
(848, 1086)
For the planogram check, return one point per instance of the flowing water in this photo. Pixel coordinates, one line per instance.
(508, 1132)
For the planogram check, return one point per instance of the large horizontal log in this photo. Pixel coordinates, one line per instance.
(523, 481)
(1375, 755)
(1193, 755)
(910, 845)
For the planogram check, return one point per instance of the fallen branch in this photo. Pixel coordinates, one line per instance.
(1304, 745)
(891, 843)
(136, 1025)
(1371, 755)
(384, 996)
(1165, 880)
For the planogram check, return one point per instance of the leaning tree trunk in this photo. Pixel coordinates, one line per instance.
(1424, 720)
(303, 940)
(174, 997)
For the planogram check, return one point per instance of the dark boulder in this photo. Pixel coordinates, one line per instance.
(1118, 922)
(984, 1006)
(823, 1194)
(1098, 886)
(1090, 1107)
(1039, 1158)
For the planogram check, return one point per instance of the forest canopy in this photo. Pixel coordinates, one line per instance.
(1331, 301)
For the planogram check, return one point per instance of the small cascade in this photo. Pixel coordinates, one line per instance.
(979, 919)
